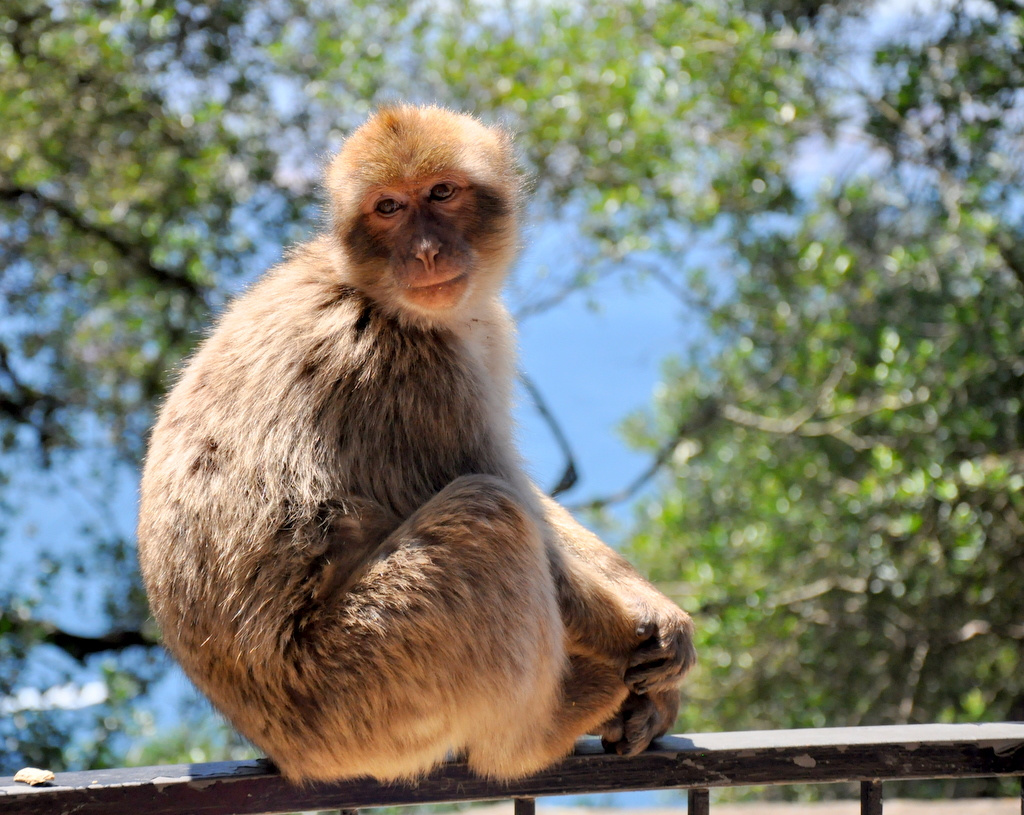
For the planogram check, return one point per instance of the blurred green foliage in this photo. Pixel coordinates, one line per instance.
(833, 190)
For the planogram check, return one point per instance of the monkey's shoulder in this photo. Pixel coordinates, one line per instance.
(301, 344)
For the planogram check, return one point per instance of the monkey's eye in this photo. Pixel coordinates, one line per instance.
(387, 206)
(442, 192)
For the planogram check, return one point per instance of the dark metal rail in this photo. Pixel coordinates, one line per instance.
(696, 763)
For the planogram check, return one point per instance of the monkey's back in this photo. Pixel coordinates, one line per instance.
(307, 427)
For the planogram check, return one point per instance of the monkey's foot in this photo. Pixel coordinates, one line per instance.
(640, 720)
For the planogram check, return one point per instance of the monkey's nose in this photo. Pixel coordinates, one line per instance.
(427, 254)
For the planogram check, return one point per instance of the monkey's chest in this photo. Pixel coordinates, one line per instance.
(414, 430)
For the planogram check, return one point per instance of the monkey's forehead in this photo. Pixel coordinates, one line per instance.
(407, 143)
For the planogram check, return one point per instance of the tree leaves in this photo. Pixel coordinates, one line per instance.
(850, 526)
(837, 201)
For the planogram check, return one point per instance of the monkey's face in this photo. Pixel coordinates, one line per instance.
(425, 203)
(421, 235)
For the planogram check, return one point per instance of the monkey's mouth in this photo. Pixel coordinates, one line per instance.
(437, 282)
(436, 291)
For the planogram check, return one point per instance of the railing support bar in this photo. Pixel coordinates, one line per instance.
(698, 802)
(870, 798)
(525, 806)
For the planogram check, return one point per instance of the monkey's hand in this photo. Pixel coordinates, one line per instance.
(639, 721)
(665, 652)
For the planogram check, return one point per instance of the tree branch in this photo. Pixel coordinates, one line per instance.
(74, 645)
(81, 647)
(570, 474)
(798, 423)
(139, 256)
(702, 418)
(20, 401)
(527, 310)
(837, 426)
(1007, 249)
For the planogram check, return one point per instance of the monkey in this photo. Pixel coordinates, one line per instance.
(338, 538)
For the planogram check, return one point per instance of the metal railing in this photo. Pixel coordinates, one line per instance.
(696, 763)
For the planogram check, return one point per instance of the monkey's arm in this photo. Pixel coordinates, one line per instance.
(609, 607)
(612, 613)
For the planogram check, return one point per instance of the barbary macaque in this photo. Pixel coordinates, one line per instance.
(337, 535)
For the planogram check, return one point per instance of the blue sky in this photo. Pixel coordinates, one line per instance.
(595, 364)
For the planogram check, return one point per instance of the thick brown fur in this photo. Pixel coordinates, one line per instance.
(337, 536)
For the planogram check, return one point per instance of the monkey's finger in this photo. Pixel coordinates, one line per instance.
(651, 682)
(649, 653)
(665, 667)
(611, 732)
(673, 654)
(670, 646)
(656, 670)
(651, 685)
(623, 747)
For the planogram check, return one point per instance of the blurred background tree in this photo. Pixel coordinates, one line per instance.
(831, 192)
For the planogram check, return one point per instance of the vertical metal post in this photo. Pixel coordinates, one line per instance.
(525, 806)
(698, 802)
(870, 798)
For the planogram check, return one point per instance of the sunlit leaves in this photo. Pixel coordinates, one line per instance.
(851, 525)
(841, 208)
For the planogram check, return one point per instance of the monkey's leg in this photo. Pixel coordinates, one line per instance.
(453, 641)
